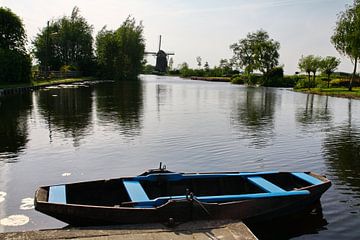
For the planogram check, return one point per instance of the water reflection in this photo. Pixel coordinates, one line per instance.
(14, 112)
(341, 149)
(291, 226)
(121, 104)
(314, 112)
(253, 116)
(66, 111)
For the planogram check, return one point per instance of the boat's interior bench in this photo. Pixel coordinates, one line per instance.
(57, 194)
(135, 191)
(139, 198)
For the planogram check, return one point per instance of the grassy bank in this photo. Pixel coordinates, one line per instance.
(212, 79)
(334, 92)
(45, 82)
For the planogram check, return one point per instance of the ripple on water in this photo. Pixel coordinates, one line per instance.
(2, 196)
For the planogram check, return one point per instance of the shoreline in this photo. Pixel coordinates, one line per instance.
(27, 87)
(332, 92)
(212, 79)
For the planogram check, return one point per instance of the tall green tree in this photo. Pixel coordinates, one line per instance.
(309, 64)
(120, 52)
(346, 37)
(65, 41)
(328, 65)
(256, 52)
(15, 63)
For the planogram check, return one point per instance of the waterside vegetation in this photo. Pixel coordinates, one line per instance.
(65, 47)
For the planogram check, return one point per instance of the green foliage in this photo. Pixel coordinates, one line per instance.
(346, 37)
(12, 33)
(328, 65)
(344, 82)
(310, 64)
(15, 63)
(303, 83)
(148, 69)
(68, 68)
(238, 79)
(274, 77)
(120, 52)
(256, 52)
(15, 66)
(66, 41)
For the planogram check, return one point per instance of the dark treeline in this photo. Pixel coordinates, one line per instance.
(66, 44)
(15, 63)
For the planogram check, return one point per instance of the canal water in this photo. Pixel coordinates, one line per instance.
(105, 130)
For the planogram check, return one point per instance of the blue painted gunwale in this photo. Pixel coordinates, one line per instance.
(184, 176)
(255, 177)
(220, 198)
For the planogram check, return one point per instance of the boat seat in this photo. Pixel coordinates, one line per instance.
(307, 178)
(135, 191)
(57, 194)
(265, 184)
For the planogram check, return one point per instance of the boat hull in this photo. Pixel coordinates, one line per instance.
(181, 210)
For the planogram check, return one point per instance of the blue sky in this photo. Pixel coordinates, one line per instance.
(205, 28)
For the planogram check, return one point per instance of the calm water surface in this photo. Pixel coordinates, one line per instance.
(107, 130)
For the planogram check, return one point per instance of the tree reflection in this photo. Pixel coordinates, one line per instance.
(254, 116)
(67, 111)
(342, 150)
(121, 103)
(314, 113)
(14, 112)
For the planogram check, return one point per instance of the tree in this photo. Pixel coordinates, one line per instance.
(225, 66)
(120, 52)
(65, 41)
(12, 33)
(328, 65)
(309, 64)
(315, 66)
(15, 63)
(206, 66)
(256, 52)
(346, 37)
(198, 60)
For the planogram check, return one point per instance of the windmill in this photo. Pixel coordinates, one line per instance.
(161, 59)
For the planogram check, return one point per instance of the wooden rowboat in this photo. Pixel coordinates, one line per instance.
(164, 196)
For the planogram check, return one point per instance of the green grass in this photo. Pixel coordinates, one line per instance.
(335, 92)
(45, 82)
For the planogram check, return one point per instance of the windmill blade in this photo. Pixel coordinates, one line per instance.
(151, 53)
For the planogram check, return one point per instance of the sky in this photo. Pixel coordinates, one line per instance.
(204, 28)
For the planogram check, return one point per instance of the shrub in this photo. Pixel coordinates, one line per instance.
(238, 79)
(344, 82)
(15, 66)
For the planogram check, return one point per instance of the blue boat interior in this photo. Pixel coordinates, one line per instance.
(156, 189)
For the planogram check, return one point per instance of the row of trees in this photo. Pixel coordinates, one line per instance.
(67, 44)
(259, 53)
(68, 41)
(15, 63)
(313, 64)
